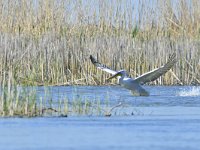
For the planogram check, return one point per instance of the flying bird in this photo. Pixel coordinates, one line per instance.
(135, 85)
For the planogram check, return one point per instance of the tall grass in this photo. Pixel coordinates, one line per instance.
(27, 102)
(48, 42)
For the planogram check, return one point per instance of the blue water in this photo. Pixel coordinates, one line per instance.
(168, 119)
(187, 96)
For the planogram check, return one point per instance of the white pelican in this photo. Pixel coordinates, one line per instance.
(134, 85)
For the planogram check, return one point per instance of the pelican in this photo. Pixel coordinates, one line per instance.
(135, 85)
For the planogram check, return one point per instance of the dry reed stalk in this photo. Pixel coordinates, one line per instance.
(121, 37)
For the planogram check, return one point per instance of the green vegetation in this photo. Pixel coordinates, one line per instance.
(46, 42)
(24, 102)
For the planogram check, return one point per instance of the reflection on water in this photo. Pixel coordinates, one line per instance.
(159, 95)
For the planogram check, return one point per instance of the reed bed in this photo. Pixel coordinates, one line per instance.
(49, 42)
(19, 101)
(46, 42)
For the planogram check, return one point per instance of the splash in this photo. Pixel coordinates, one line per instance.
(193, 91)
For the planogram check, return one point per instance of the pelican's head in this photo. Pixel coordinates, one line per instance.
(121, 73)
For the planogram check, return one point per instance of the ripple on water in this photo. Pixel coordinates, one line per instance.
(191, 91)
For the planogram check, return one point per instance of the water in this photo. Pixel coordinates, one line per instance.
(168, 119)
(166, 96)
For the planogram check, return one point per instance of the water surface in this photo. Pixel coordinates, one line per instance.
(168, 119)
(167, 96)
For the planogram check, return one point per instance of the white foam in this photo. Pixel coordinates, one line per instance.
(193, 91)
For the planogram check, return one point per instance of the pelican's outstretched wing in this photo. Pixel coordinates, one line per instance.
(101, 66)
(156, 73)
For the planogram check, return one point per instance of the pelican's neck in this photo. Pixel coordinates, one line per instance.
(123, 74)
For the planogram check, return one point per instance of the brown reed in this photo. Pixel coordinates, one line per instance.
(49, 42)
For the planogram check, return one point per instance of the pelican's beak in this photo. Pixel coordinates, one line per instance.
(116, 75)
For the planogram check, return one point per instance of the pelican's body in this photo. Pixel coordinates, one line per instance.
(134, 85)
